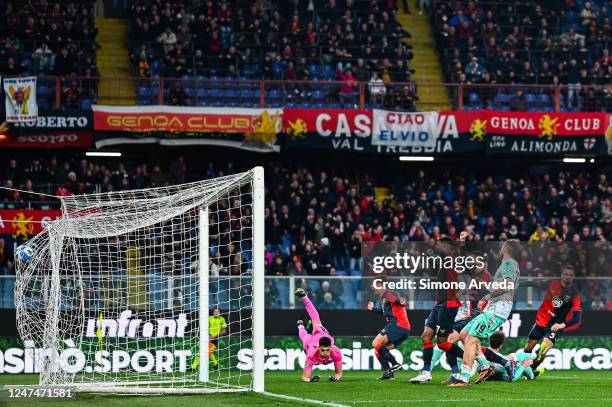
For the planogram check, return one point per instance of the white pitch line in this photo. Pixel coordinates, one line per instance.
(462, 400)
(575, 377)
(304, 400)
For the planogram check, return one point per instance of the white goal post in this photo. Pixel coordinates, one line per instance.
(116, 295)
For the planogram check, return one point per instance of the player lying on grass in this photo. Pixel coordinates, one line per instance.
(319, 346)
(560, 312)
(494, 315)
(397, 330)
(499, 372)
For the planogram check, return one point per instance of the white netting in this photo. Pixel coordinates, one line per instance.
(111, 298)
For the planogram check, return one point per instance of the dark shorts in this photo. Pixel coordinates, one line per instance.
(538, 332)
(215, 341)
(395, 333)
(442, 318)
(459, 325)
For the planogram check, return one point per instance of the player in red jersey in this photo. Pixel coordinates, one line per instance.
(442, 317)
(397, 330)
(560, 311)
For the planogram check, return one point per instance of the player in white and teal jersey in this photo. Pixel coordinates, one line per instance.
(523, 361)
(499, 305)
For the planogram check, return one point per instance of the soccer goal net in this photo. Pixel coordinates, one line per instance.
(119, 294)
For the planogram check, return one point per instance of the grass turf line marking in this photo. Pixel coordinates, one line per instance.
(460, 400)
(303, 400)
(576, 377)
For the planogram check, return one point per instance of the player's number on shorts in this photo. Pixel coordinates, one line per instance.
(481, 328)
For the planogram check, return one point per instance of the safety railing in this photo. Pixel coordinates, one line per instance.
(330, 292)
(56, 92)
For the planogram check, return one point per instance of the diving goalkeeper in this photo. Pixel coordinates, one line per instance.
(319, 346)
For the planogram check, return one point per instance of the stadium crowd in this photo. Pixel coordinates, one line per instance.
(542, 42)
(346, 41)
(51, 38)
(317, 219)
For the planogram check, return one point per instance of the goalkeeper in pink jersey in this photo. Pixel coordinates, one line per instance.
(319, 346)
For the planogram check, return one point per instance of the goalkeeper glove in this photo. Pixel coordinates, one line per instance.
(333, 379)
(315, 379)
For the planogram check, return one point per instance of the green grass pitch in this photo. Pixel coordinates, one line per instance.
(555, 388)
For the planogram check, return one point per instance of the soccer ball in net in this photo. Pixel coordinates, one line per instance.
(117, 292)
(24, 253)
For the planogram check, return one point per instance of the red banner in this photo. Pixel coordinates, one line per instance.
(608, 134)
(336, 122)
(546, 124)
(351, 130)
(24, 223)
(146, 119)
(60, 139)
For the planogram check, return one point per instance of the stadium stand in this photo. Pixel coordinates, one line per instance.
(215, 48)
(543, 43)
(317, 216)
(51, 38)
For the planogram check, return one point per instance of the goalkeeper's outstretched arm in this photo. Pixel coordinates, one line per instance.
(338, 374)
(307, 373)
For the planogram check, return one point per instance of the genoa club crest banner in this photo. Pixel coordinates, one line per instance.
(245, 128)
(20, 101)
(546, 133)
(25, 223)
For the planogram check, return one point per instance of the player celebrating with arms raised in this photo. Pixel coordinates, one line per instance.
(397, 330)
(561, 300)
(319, 346)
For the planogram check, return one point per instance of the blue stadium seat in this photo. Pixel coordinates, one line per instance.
(231, 94)
(247, 94)
(274, 94)
(202, 93)
(318, 95)
(503, 98)
(530, 98)
(329, 71)
(314, 69)
(473, 97)
(216, 93)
